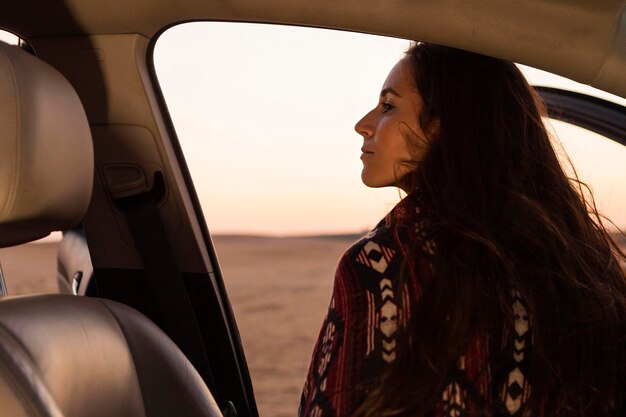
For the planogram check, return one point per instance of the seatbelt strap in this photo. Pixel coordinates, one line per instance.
(166, 281)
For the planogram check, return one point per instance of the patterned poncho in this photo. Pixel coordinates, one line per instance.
(369, 308)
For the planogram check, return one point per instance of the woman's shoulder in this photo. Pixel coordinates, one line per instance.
(400, 238)
(376, 245)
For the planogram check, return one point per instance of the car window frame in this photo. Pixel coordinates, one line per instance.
(561, 105)
(603, 117)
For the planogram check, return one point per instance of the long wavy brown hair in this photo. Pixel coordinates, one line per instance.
(506, 216)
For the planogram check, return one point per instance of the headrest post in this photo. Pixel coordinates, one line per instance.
(3, 287)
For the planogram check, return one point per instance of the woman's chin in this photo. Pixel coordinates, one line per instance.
(374, 182)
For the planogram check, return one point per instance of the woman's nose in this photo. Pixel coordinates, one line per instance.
(364, 126)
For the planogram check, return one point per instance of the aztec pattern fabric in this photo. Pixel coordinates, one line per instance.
(368, 312)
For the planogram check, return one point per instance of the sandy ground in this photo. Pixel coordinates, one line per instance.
(280, 295)
(279, 289)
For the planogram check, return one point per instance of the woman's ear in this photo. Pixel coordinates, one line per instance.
(433, 129)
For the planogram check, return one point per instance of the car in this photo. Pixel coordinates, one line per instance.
(143, 240)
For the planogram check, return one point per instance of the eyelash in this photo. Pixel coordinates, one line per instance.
(386, 106)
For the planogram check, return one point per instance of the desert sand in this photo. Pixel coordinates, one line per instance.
(279, 289)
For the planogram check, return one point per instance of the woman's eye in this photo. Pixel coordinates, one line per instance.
(386, 107)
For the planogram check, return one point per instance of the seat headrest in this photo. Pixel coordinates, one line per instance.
(46, 151)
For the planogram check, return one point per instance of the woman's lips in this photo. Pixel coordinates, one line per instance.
(366, 153)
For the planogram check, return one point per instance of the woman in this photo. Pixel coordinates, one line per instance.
(489, 290)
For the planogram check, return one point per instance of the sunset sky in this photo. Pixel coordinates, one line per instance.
(265, 117)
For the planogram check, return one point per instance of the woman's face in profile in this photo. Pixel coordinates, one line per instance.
(391, 133)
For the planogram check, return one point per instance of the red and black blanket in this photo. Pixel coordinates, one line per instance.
(369, 308)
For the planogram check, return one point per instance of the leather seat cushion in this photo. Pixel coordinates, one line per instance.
(64, 355)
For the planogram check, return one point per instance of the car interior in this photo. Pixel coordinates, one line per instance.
(144, 326)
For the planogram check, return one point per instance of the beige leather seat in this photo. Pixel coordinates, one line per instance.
(64, 355)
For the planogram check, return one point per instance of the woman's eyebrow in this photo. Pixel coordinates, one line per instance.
(389, 90)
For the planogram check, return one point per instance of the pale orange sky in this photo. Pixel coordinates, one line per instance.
(265, 117)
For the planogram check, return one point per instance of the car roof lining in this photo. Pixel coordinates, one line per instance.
(582, 40)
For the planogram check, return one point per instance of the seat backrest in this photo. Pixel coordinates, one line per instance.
(63, 355)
